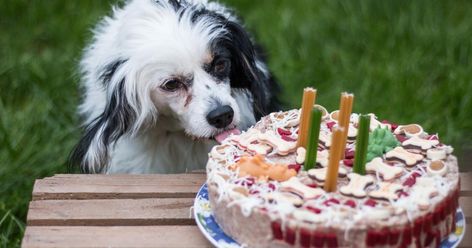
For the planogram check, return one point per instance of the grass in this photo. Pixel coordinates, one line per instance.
(407, 61)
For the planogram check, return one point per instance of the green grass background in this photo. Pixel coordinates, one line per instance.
(408, 61)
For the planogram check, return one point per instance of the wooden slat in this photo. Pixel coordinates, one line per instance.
(109, 212)
(466, 205)
(466, 184)
(75, 186)
(467, 240)
(122, 236)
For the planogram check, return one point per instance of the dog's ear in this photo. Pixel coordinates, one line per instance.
(249, 71)
(117, 119)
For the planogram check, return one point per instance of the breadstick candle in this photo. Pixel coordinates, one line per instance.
(313, 137)
(344, 117)
(334, 157)
(362, 142)
(308, 101)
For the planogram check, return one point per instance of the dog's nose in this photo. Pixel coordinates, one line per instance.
(220, 117)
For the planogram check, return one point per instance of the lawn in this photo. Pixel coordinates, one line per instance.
(407, 61)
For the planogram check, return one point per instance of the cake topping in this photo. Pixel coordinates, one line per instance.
(281, 146)
(319, 174)
(357, 185)
(294, 185)
(409, 130)
(301, 153)
(386, 191)
(381, 140)
(386, 171)
(409, 158)
(424, 189)
(256, 166)
(419, 142)
(436, 154)
(436, 167)
(324, 112)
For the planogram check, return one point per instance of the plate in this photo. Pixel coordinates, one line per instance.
(212, 231)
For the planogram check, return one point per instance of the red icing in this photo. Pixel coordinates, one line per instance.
(411, 180)
(371, 238)
(402, 193)
(417, 227)
(288, 138)
(348, 162)
(393, 125)
(312, 185)
(393, 236)
(290, 235)
(406, 236)
(318, 239)
(277, 230)
(313, 209)
(430, 236)
(331, 240)
(370, 202)
(330, 202)
(330, 125)
(305, 237)
(350, 203)
(271, 186)
(427, 222)
(401, 137)
(349, 154)
(283, 132)
(296, 167)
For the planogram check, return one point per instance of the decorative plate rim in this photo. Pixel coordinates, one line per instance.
(199, 213)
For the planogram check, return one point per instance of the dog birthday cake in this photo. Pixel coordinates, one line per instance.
(313, 178)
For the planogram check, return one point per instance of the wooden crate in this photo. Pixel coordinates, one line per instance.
(132, 211)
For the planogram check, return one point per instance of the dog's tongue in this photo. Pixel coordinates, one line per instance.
(222, 136)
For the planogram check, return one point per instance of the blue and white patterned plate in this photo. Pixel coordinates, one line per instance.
(212, 231)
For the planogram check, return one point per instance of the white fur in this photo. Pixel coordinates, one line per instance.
(168, 136)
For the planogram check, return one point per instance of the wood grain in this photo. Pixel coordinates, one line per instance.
(117, 236)
(74, 186)
(108, 212)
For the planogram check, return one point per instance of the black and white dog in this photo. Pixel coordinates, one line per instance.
(164, 80)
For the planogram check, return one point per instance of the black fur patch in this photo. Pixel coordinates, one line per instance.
(116, 120)
(110, 70)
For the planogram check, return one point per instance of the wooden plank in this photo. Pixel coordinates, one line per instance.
(466, 183)
(467, 240)
(116, 236)
(466, 204)
(110, 212)
(75, 186)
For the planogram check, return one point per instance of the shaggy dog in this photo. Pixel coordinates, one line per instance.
(163, 81)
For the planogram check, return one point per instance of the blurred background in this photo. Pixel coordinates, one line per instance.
(406, 61)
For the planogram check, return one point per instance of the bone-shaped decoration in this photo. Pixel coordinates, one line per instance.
(374, 123)
(218, 152)
(320, 173)
(436, 167)
(357, 185)
(386, 171)
(259, 148)
(409, 158)
(352, 131)
(294, 185)
(283, 147)
(386, 191)
(322, 158)
(301, 153)
(257, 167)
(294, 199)
(423, 190)
(419, 142)
(436, 154)
(245, 139)
(409, 130)
(325, 138)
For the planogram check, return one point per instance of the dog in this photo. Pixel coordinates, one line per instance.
(163, 81)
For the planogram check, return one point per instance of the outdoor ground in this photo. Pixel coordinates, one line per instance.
(407, 61)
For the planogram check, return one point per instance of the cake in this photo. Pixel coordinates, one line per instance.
(262, 196)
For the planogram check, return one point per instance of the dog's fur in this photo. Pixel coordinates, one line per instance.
(151, 75)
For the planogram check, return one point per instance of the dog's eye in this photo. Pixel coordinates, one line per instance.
(172, 85)
(221, 66)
